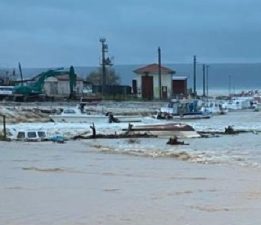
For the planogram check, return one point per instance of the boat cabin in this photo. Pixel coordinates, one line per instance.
(31, 135)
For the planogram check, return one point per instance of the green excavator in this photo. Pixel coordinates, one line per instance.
(35, 89)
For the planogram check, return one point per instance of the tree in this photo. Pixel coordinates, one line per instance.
(95, 77)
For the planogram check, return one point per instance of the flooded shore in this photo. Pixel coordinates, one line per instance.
(134, 180)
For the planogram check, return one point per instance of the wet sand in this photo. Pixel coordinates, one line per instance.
(75, 183)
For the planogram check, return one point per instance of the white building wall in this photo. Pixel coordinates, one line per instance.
(139, 93)
(166, 80)
(79, 87)
(63, 86)
(50, 86)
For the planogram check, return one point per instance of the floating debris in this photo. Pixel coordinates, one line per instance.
(174, 141)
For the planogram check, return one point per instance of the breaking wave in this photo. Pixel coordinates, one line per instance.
(182, 154)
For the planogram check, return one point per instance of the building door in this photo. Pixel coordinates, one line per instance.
(134, 87)
(164, 91)
(147, 87)
(179, 87)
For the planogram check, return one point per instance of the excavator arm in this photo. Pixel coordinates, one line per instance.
(37, 87)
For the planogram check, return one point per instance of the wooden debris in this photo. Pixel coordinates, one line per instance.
(175, 141)
(115, 136)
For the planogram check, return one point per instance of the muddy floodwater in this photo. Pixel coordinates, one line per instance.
(139, 181)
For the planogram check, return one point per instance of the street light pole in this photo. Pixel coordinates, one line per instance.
(103, 63)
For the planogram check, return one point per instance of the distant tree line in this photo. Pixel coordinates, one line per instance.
(7, 77)
(95, 77)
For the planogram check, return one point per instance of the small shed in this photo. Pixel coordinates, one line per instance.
(148, 82)
(179, 86)
(60, 86)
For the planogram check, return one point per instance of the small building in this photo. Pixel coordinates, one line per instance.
(179, 86)
(148, 82)
(60, 86)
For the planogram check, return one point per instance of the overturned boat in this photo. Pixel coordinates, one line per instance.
(167, 129)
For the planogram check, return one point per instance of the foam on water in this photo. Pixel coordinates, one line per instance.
(243, 149)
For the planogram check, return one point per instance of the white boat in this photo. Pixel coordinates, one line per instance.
(239, 103)
(182, 110)
(28, 135)
(214, 107)
(75, 115)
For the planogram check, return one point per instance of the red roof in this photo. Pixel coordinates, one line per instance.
(153, 69)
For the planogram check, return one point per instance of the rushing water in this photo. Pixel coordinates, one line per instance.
(243, 149)
(135, 181)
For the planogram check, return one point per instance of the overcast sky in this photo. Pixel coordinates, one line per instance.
(47, 33)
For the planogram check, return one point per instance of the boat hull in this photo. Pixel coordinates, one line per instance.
(93, 119)
(128, 119)
(79, 119)
(166, 130)
(192, 116)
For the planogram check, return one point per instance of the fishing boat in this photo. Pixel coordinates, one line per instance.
(75, 115)
(183, 110)
(214, 107)
(238, 103)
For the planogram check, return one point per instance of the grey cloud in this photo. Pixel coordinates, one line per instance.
(49, 32)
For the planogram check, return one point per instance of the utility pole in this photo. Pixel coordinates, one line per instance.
(204, 80)
(21, 73)
(159, 67)
(106, 61)
(207, 67)
(194, 75)
(103, 63)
